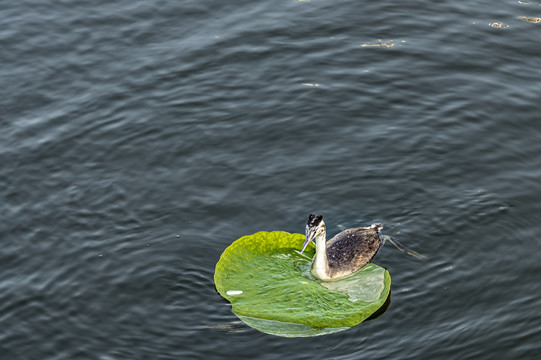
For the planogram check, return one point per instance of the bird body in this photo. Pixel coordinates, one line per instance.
(344, 254)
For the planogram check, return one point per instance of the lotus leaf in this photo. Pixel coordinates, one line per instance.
(269, 285)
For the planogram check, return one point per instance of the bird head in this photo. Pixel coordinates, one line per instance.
(314, 227)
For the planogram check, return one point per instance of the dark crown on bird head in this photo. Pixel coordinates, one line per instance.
(314, 220)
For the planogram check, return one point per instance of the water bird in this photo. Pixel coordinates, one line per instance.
(343, 255)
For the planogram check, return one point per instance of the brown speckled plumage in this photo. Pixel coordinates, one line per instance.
(352, 249)
(344, 254)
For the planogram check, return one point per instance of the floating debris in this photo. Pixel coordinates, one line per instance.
(498, 25)
(530, 19)
(380, 43)
(311, 84)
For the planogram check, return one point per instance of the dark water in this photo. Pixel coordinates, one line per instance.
(140, 138)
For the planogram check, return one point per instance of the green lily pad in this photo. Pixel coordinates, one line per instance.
(269, 285)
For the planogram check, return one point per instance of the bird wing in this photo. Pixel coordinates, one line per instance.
(352, 249)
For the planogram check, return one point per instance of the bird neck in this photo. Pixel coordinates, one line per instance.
(320, 265)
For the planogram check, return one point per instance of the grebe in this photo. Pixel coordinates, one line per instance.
(344, 254)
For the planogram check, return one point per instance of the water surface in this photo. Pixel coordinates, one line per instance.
(141, 138)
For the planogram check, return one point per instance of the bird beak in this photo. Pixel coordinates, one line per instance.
(310, 235)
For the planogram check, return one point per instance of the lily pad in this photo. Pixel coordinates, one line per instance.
(269, 285)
